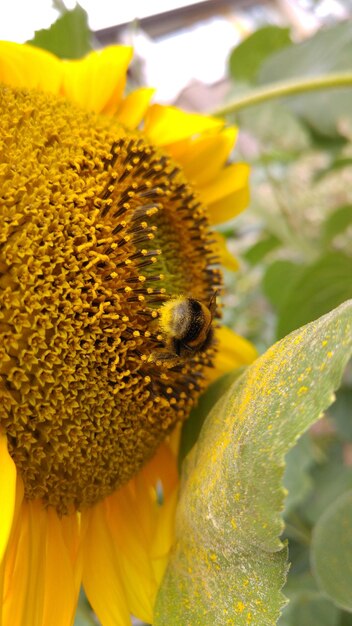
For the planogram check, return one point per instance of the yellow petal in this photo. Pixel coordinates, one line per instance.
(7, 494)
(163, 537)
(5, 559)
(161, 467)
(24, 584)
(101, 572)
(72, 533)
(228, 195)
(141, 526)
(173, 441)
(97, 82)
(233, 351)
(227, 208)
(232, 178)
(131, 552)
(26, 66)
(226, 258)
(63, 569)
(202, 158)
(40, 586)
(2, 576)
(166, 125)
(133, 108)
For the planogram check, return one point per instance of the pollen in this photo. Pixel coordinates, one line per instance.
(98, 229)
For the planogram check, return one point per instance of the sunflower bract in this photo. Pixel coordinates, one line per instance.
(98, 227)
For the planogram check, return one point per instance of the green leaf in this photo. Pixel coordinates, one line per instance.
(331, 480)
(341, 413)
(84, 614)
(247, 57)
(337, 223)
(278, 280)
(327, 51)
(261, 248)
(316, 290)
(281, 134)
(310, 609)
(69, 37)
(192, 426)
(331, 552)
(338, 164)
(346, 619)
(228, 563)
(297, 479)
(298, 583)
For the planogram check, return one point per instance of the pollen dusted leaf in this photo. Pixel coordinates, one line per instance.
(228, 564)
(192, 426)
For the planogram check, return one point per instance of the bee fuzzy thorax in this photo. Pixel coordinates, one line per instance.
(186, 326)
(174, 316)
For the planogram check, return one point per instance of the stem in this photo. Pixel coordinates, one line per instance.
(286, 88)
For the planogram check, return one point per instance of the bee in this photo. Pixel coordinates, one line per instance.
(186, 326)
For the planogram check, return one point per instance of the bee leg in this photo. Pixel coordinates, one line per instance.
(177, 344)
(185, 346)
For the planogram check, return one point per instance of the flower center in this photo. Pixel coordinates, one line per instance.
(98, 228)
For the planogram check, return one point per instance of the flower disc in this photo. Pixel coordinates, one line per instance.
(98, 228)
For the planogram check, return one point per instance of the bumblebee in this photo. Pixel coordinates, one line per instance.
(186, 326)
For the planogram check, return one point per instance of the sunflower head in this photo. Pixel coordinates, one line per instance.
(99, 229)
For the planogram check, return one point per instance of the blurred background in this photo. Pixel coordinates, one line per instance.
(294, 242)
(193, 39)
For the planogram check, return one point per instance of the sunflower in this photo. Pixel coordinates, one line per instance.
(107, 204)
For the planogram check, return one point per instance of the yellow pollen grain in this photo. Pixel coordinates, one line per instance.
(302, 390)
